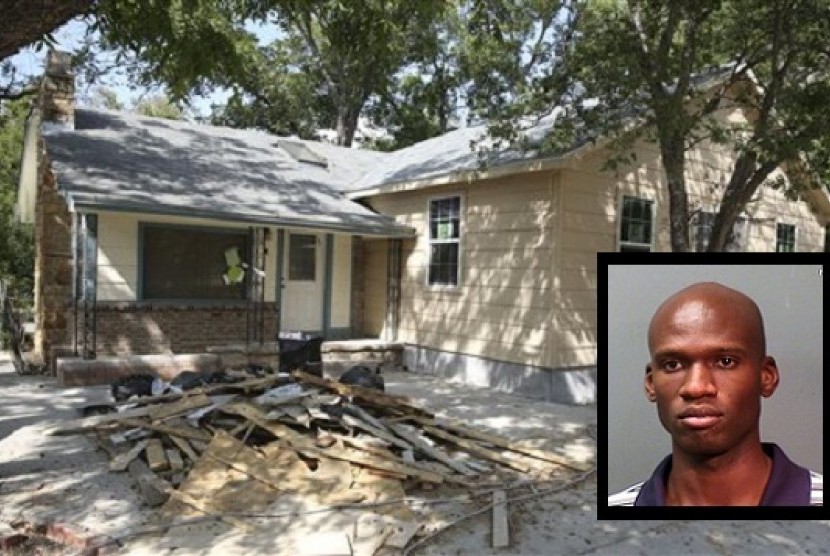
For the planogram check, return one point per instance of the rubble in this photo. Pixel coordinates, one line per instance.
(235, 448)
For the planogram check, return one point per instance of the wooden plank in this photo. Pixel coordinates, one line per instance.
(402, 533)
(303, 444)
(155, 456)
(501, 442)
(501, 536)
(182, 431)
(213, 388)
(163, 411)
(381, 433)
(153, 489)
(477, 450)
(435, 453)
(297, 412)
(368, 395)
(175, 459)
(87, 423)
(184, 446)
(121, 461)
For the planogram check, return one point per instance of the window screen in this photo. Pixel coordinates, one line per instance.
(784, 238)
(302, 257)
(635, 224)
(184, 263)
(444, 241)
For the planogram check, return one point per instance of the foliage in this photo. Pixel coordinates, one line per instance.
(106, 98)
(158, 106)
(647, 61)
(16, 241)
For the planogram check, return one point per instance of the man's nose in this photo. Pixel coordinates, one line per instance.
(699, 382)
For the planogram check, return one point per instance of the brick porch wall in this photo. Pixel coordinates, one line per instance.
(148, 328)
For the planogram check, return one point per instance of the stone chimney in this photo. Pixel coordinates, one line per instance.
(57, 91)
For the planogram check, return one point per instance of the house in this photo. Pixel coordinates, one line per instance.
(162, 236)
(486, 275)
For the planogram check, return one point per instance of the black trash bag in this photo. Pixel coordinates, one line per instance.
(361, 375)
(187, 380)
(133, 385)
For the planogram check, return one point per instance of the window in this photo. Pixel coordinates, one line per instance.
(635, 224)
(189, 263)
(784, 238)
(302, 257)
(444, 241)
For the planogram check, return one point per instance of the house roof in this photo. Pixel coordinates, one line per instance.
(120, 161)
(452, 157)
(455, 156)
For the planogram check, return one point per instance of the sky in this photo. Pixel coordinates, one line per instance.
(68, 37)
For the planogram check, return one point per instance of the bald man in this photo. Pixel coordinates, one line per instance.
(709, 370)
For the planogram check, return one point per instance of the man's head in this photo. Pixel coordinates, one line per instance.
(709, 369)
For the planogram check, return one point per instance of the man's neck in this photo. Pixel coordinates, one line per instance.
(735, 478)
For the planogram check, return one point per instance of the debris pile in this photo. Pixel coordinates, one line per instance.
(239, 444)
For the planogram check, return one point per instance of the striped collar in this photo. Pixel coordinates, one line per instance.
(789, 484)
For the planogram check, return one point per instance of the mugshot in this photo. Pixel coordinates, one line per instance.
(714, 392)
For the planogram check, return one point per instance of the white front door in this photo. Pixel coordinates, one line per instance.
(303, 269)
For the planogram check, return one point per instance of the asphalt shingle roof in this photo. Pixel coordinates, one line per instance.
(114, 160)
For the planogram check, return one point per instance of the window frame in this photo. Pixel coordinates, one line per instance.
(620, 205)
(288, 249)
(779, 225)
(141, 266)
(459, 241)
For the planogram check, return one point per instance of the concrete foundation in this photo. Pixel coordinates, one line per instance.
(576, 385)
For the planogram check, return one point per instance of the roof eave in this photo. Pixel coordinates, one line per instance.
(80, 203)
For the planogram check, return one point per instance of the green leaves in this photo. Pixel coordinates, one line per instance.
(16, 241)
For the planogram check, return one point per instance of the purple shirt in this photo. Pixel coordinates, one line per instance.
(789, 484)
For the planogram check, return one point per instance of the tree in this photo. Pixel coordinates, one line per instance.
(16, 242)
(26, 22)
(158, 106)
(104, 97)
(646, 58)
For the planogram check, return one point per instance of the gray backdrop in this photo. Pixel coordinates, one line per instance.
(790, 298)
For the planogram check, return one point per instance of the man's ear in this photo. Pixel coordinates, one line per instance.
(769, 376)
(649, 383)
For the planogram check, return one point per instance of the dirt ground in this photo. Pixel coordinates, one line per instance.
(63, 482)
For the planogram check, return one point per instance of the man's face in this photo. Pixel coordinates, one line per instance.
(708, 371)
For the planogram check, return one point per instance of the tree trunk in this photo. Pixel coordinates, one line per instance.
(672, 153)
(746, 178)
(731, 203)
(347, 117)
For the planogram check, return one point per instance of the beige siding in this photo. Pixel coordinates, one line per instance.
(341, 282)
(502, 306)
(529, 245)
(118, 253)
(592, 198)
(374, 286)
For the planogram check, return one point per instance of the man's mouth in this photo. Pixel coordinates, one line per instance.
(700, 417)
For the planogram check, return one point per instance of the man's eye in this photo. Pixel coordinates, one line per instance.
(671, 365)
(727, 362)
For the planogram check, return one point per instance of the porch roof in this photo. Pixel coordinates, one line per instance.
(123, 162)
